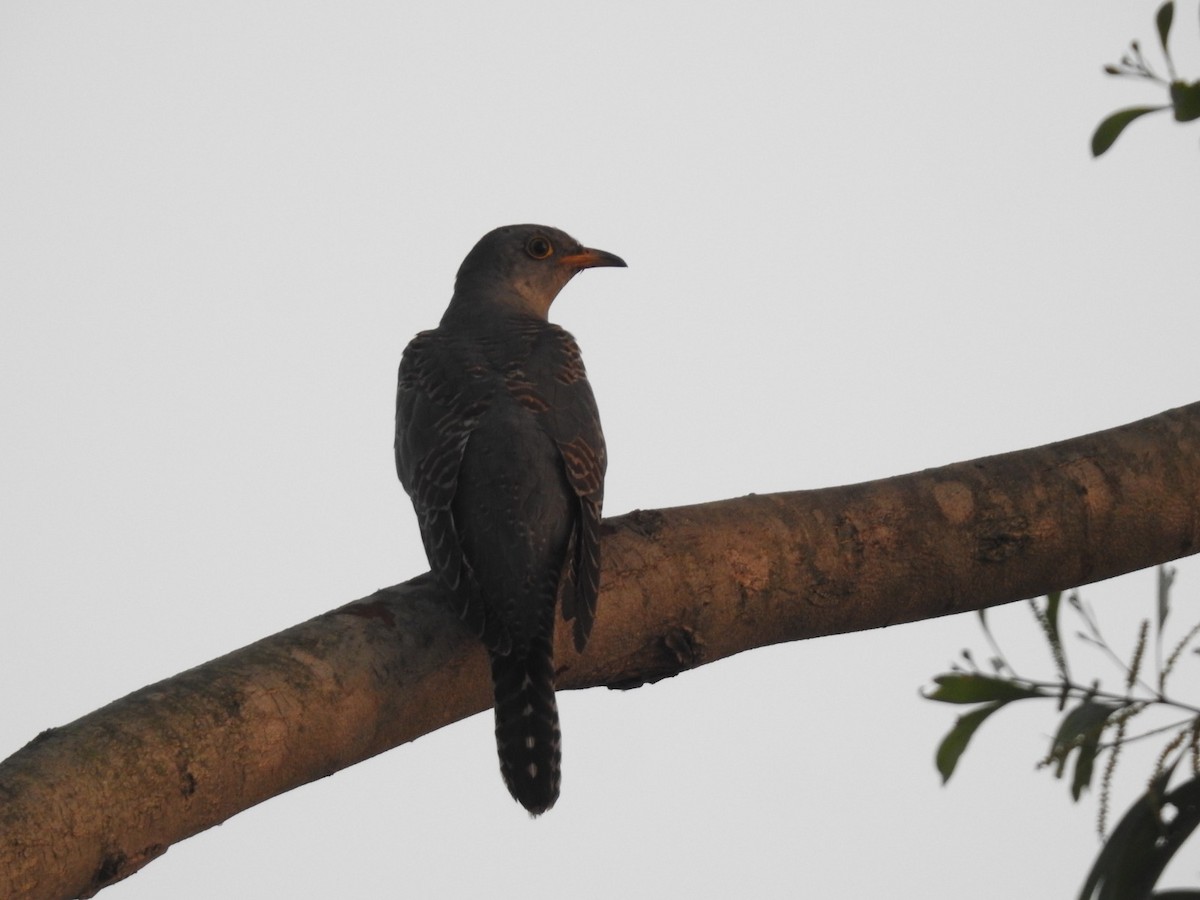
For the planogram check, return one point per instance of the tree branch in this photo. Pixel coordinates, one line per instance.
(89, 803)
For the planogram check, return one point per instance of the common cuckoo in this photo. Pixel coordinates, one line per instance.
(498, 443)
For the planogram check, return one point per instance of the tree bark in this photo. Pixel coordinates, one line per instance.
(87, 804)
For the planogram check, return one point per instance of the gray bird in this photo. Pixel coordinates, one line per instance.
(498, 443)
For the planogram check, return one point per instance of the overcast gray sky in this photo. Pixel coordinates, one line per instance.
(863, 239)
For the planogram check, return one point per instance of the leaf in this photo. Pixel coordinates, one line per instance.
(1166, 576)
(1141, 845)
(972, 687)
(1186, 100)
(1110, 129)
(983, 623)
(1116, 854)
(1162, 19)
(1053, 604)
(1085, 762)
(955, 742)
(1080, 731)
(1081, 720)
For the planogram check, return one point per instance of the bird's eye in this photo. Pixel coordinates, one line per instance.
(538, 247)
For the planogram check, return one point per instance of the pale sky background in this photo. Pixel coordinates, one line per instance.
(863, 239)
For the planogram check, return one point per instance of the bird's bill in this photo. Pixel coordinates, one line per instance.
(590, 259)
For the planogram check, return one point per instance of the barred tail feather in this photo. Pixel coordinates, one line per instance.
(527, 733)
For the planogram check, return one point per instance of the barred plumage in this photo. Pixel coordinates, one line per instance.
(498, 443)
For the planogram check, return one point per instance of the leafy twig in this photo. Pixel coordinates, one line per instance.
(1184, 96)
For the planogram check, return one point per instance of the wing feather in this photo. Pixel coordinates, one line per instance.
(441, 395)
(568, 413)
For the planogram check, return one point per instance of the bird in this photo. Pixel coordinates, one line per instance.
(499, 446)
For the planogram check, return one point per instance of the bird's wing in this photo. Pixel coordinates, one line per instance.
(443, 391)
(567, 413)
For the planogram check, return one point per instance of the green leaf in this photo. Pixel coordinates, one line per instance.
(1142, 844)
(1081, 721)
(1162, 19)
(1110, 129)
(1121, 851)
(955, 742)
(1080, 731)
(1186, 100)
(1085, 762)
(1053, 604)
(1166, 575)
(971, 687)
(983, 623)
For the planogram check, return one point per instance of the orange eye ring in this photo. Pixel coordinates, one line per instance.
(539, 247)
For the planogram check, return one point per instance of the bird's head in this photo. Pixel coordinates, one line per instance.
(524, 267)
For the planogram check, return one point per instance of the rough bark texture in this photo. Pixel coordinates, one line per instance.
(87, 804)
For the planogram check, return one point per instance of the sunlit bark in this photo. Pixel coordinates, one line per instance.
(86, 804)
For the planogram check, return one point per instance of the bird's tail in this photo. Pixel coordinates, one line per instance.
(527, 733)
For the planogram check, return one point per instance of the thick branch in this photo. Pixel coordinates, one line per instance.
(87, 804)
